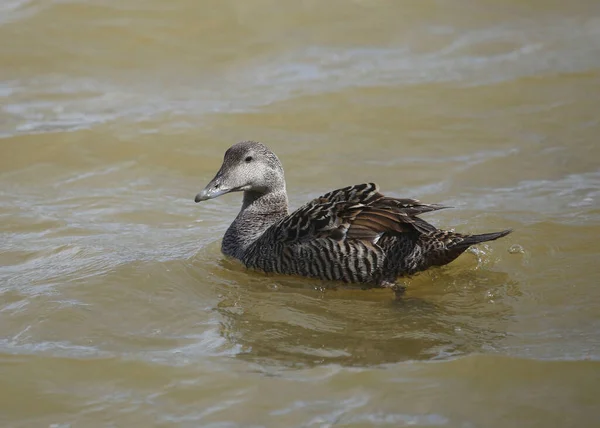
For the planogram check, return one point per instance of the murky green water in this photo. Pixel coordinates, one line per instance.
(116, 306)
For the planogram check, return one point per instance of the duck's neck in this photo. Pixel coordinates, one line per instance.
(259, 211)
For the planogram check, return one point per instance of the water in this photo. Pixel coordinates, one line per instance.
(116, 306)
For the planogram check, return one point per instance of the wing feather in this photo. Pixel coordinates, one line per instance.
(355, 212)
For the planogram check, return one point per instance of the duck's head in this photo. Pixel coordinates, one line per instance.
(248, 166)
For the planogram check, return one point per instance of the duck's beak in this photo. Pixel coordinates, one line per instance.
(214, 189)
(207, 194)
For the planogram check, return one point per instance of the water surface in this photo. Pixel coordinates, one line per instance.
(116, 306)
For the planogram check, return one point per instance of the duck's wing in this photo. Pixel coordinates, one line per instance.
(354, 212)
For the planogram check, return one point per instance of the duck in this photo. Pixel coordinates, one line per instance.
(355, 234)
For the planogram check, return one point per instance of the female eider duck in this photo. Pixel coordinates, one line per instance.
(354, 234)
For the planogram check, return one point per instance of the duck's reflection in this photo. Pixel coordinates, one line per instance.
(293, 322)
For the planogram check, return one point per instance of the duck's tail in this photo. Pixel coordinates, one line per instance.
(453, 245)
(484, 237)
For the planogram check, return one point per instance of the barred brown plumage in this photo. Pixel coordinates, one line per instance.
(354, 234)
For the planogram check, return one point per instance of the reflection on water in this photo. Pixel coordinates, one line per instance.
(444, 314)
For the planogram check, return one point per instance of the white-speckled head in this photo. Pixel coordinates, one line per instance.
(248, 166)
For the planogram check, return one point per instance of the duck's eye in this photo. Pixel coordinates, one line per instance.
(248, 159)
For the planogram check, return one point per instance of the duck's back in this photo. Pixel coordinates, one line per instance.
(354, 234)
